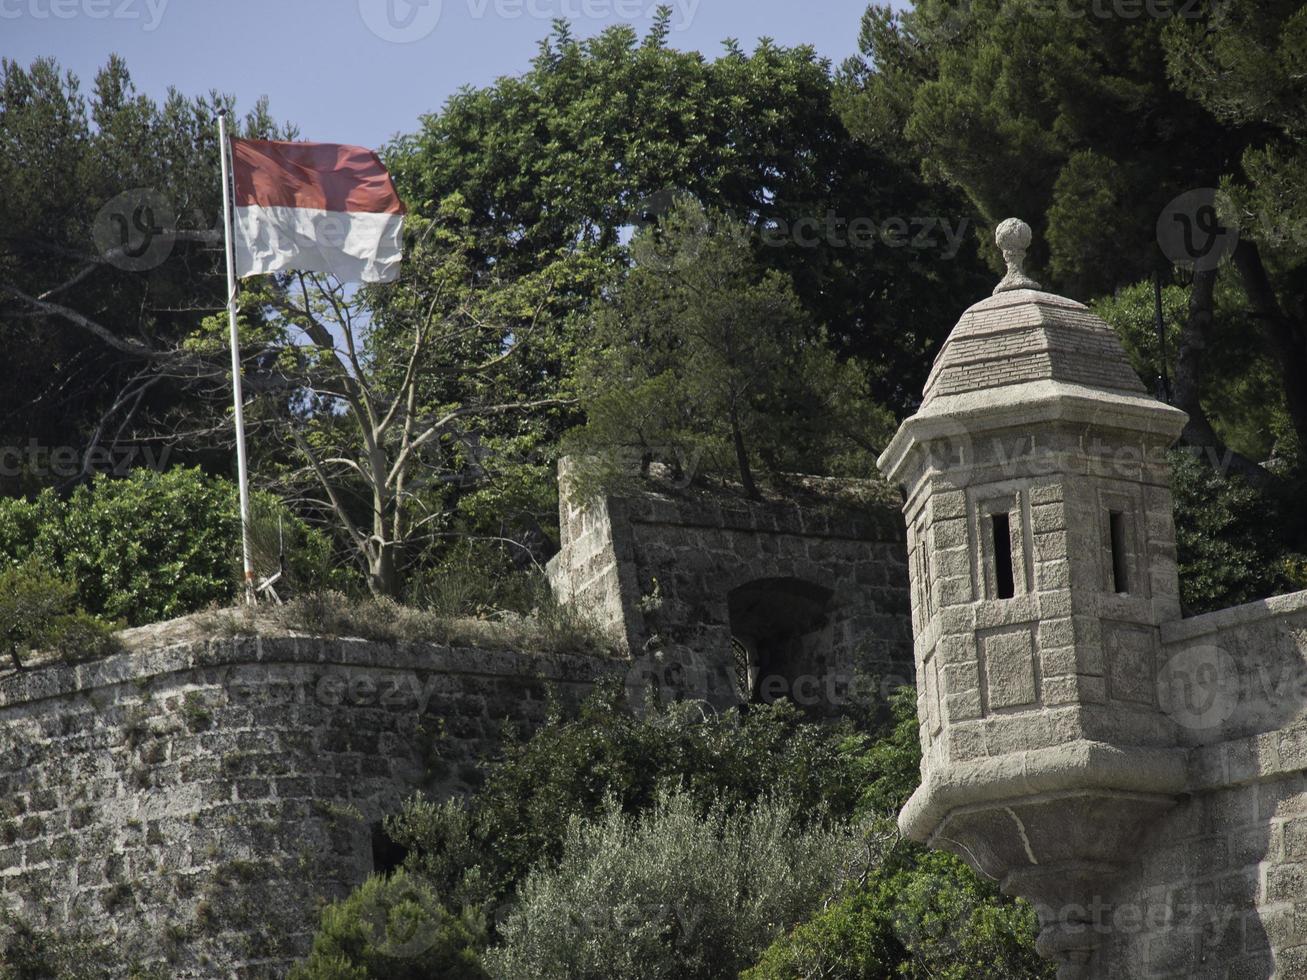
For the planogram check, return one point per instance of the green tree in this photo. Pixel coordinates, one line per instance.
(1236, 542)
(393, 926)
(38, 609)
(1070, 118)
(92, 359)
(1245, 64)
(705, 358)
(1243, 400)
(586, 142)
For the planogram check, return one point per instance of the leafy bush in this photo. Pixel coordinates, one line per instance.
(610, 843)
(922, 914)
(36, 611)
(479, 850)
(1233, 540)
(919, 914)
(151, 546)
(394, 927)
(671, 894)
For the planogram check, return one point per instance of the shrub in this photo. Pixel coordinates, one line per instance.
(922, 914)
(672, 894)
(393, 927)
(480, 849)
(150, 546)
(1233, 540)
(36, 611)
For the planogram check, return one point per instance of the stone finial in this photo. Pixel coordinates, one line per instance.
(1013, 238)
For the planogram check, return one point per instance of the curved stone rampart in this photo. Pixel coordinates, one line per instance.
(195, 804)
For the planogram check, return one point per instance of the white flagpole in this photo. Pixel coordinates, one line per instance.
(238, 398)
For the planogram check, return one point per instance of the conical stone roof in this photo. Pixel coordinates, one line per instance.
(1025, 358)
(1023, 335)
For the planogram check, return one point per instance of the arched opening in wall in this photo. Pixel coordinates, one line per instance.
(387, 854)
(782, 641)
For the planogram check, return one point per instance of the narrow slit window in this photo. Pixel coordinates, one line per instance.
(1120, 566)
(1004, 581)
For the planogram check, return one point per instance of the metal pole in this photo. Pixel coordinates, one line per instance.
(1163, 378)
(238, 398)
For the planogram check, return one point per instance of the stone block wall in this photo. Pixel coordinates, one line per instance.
(196, 804)
(674, 575)
(1220, 890)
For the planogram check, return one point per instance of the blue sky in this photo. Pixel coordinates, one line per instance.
(359, 71)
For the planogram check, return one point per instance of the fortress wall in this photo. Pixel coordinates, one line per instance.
(659, 568)
(1220, 890)
(197, 803)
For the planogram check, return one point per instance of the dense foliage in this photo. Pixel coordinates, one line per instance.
(670, 894)
(573, 768)
(38, 611)
(393, 927)
(1235, 543)
(153, 546)
(705, 360)
(610, 845)
(662, 257)
(598, 134)
(916, 913)
(82, 335)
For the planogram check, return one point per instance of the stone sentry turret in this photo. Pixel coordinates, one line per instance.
(1042, 558)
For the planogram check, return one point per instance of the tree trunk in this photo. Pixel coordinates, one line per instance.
(382, 575)
(1189, 367)
(1288, 334)
(742, 459)
(383, 578)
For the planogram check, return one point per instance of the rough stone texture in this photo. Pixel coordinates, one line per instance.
(196, 803)
(677, 575)
(1139, 777)
(1221, 891)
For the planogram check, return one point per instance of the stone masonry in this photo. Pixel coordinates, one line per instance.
(807, 596)
(195, 804)
(1140, 777)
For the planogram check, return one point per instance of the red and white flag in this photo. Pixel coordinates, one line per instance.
(316, 207)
